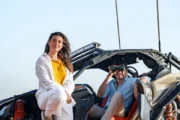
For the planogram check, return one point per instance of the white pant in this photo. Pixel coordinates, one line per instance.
(54, 103)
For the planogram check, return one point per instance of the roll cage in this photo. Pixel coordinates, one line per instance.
(91, 56)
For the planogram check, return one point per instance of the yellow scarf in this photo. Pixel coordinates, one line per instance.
(59, 70)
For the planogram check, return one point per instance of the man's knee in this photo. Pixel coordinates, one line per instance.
(96, 112)
(92, 111)
(118, 96)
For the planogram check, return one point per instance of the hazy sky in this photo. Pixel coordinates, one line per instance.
(26, 25)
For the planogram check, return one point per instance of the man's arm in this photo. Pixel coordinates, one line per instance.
(178, 97)
(145, 80)
(103, 86)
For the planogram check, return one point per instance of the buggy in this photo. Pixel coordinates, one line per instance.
(157, 100)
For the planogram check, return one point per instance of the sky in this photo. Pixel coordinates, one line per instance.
(26, 25)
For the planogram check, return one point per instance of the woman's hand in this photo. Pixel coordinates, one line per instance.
(69, 98)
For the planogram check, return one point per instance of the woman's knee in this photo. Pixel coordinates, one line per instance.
(59, 95)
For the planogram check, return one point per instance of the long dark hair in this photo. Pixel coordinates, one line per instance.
(64, 53)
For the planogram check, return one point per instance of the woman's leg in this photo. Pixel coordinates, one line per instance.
(51, 101)
(116, 107)
(66, 112)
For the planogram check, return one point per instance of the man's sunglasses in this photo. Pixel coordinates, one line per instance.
(117, 67)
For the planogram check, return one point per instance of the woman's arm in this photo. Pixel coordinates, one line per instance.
(42, 74)
(69, 84)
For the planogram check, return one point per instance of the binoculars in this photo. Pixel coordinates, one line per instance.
(114, 68)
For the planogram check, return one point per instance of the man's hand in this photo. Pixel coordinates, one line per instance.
(69, 98)
(110, 72)
(135, 91)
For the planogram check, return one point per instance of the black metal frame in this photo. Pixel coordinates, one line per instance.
(99, 58)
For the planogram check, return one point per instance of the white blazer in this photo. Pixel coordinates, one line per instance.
(44, 72)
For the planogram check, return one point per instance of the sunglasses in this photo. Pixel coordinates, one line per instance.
(117, 67)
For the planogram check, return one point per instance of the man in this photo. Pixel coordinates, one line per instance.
(119, 91)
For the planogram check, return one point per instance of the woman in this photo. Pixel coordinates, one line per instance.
(54, 71)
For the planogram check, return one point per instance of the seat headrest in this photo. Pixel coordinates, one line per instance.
(162, 72)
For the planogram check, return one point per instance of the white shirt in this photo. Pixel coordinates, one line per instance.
(44, 72)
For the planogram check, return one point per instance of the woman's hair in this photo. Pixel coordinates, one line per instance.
(64, 53)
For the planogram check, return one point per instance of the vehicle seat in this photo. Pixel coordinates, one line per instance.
(162, 72)
(103, 103)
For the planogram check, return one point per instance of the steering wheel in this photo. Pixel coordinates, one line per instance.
(134, 74)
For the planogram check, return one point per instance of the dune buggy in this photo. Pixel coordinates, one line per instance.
(157, 100)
